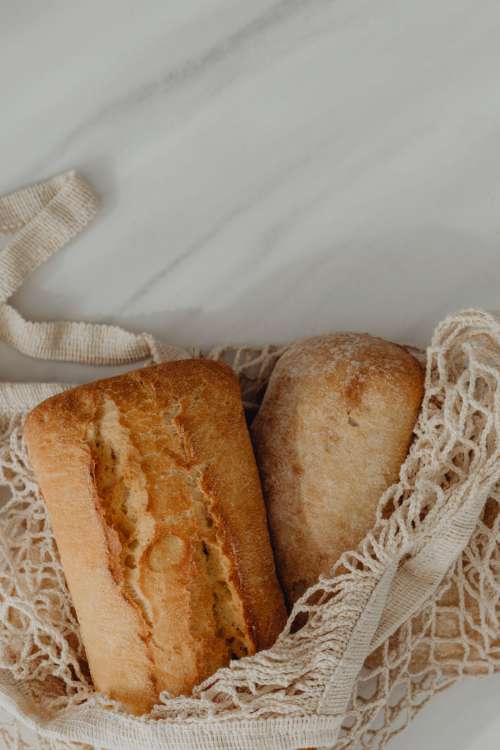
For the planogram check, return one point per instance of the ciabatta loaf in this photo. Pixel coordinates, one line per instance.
(156, 506)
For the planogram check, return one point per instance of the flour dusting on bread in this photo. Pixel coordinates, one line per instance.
(332, 431)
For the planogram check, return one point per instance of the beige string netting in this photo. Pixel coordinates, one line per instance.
(413, 609)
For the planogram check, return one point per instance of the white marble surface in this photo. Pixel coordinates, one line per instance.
(267, 170)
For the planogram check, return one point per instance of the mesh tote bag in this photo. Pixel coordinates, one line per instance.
(409, 612)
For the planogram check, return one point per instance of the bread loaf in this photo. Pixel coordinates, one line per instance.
(156, 507)
(330, 436)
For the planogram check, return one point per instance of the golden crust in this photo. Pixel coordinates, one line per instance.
(331, 434)
(157, 511)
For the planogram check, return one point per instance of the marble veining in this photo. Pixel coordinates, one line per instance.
(267, 170)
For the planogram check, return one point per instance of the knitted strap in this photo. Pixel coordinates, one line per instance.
(43, 218)
(402, 591)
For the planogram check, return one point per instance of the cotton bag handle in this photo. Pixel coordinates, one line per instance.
(403, 589)
(43, 218)
(414, 570)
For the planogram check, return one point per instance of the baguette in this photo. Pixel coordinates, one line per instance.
(157, 511)
(334, 427)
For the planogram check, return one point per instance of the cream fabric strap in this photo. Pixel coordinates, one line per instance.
(405, 575)
(43, 218)
(399, 593)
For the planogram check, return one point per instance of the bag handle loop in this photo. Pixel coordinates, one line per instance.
(43, 218)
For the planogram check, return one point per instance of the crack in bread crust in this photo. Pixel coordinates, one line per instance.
(137, 538)
(217, 566)
(157, 510)
(123, 498)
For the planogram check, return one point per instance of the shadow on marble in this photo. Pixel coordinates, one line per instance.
(375, 288)
(396, 285)
(460, 717)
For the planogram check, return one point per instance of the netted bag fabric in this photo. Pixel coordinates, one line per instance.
(412, 609)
